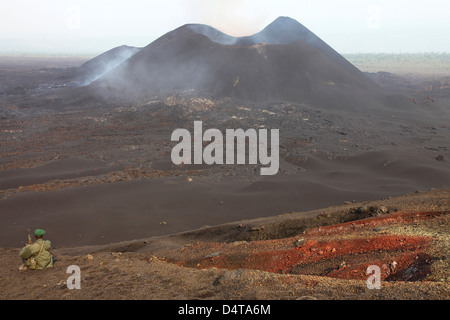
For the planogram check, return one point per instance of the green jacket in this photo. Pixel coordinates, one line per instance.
(43, 259)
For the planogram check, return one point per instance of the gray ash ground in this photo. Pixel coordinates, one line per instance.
(327, 156)
(139, 135)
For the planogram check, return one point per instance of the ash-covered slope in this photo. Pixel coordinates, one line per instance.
(103, 63)
(283, 62)
(283, 30)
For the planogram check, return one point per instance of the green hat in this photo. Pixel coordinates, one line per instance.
(39, 232)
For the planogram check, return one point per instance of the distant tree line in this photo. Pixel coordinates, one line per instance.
(429, 61)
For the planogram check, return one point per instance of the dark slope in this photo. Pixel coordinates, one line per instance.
(284, 62)
(103, 63)
(283, 30)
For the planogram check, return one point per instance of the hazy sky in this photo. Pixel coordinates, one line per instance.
(94, 26)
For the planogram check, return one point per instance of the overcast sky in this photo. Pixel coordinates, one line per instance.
(94, 26)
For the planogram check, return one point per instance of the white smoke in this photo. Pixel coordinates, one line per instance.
(101, 65)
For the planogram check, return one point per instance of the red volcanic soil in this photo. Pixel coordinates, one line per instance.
(339, 251)
(326, 261)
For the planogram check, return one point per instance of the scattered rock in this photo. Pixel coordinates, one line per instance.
(61, 284)
(152, 258)
(377, 229)
(363, 209)
(386, 268)
(228, 275)
(372, 210)
(383, 209)
(212, 255)
(300, 242)
(307, 298)
(236, 243)
(393, 266)
(440, 158)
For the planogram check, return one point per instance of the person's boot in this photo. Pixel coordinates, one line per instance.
(23, 267)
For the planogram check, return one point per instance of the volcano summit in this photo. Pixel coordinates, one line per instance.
(283, 62)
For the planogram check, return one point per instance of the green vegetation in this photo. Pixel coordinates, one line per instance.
(419, 63)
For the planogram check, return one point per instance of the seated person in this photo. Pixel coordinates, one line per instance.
(37, 254)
